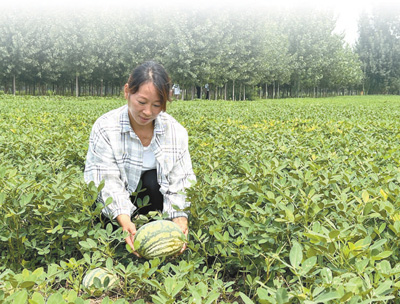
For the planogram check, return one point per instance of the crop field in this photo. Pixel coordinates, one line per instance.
(297, 201)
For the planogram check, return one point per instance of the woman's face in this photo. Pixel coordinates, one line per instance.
(143, 106)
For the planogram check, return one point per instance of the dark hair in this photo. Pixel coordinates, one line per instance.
(151, 71)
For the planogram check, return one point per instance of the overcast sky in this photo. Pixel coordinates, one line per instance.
(347, 11)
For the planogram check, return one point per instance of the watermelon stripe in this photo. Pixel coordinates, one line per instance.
(168, 251)
(99, 273)
(164, 244)
(163, 236)
(158, 239)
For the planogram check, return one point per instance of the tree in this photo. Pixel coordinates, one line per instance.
(13, 48)
(344, 71)
(310, 42)
(233, 50)
(379, 47)
(76, 44)
(110, 67)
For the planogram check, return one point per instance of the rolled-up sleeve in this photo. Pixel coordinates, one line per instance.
(180, 178)
(101, 164)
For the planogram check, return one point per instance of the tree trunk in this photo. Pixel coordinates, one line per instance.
(279, 93)
(14, 85)
(298, 89)
(225, 91)
(244, 92)
(273, 90)
(233, 91)
(77, 86)
(266, 91)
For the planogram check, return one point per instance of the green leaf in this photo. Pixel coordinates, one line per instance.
(365, 196)
(106, 281)
(334, 234)
(109, 263)
(307, 265)
(282, 296)
(172, 286)
(383, 288)
(38, 298)
(245, 298)
(296, 255)
(106, 300)
(378, 244)
(212, 297)
(384, 267)
(326, 297)
(360, 265)
(21, 297)
(382, 255)
(262, 293)
(56, 298)
(27, 284)
(146, 201)
(97, 283)
(128, 248)
(196, 298)
(326, 275)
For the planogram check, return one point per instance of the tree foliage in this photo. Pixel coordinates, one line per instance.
(379, 49)
(236, 50)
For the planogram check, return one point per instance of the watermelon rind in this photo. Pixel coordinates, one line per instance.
(100, 273)
(162, 238)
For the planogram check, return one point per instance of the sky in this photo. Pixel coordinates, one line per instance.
(346, 11)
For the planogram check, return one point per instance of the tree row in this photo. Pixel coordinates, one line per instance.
(228, 54)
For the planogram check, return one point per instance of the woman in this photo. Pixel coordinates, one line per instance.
(141, 142)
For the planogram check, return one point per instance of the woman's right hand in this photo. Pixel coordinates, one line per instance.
(125, 222)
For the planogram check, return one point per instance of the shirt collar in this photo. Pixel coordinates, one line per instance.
(158, 125)
(124, 121)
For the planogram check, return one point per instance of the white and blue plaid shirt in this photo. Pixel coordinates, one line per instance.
(115, 155)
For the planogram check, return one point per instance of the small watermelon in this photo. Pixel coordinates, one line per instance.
(160, 238)
(101, 274)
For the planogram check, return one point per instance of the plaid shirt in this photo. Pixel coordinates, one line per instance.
(115, 155)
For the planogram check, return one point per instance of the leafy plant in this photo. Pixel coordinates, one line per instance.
(296, 202)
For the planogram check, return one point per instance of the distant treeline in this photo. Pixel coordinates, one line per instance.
(239, 54)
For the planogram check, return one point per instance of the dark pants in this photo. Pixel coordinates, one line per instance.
(152, 189)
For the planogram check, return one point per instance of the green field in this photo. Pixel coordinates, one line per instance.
(297, 201)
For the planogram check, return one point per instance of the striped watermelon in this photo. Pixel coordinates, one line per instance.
(101, 274)
(160, 238)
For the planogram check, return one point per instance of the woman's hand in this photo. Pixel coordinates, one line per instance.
(125, 222)
(183, 223)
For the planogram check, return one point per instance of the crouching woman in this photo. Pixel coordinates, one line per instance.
(141, 142)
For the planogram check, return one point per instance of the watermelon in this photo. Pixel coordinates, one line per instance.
(101, 274)
(160, 238)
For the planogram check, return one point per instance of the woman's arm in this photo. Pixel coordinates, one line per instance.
(101, 164)
(125, 222)
(183, 223)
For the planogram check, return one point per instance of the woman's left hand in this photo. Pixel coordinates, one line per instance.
(183, 223)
